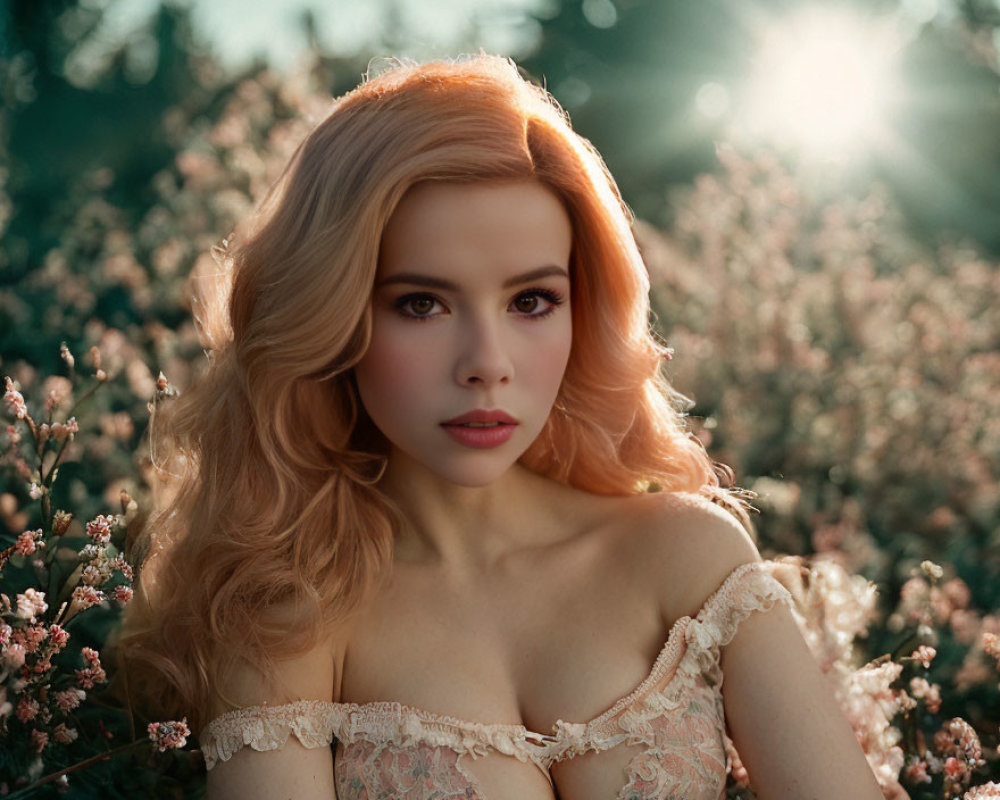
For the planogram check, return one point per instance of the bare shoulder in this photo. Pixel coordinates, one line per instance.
(308, 674)
(262, 770)
(685, 546)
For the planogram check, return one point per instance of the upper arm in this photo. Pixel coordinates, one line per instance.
(293, 770)
(787, 726)
(785, 722)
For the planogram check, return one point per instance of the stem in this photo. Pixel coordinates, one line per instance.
(73, 768)
(90, 390)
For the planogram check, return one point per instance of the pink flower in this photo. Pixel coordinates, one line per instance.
(58, 636)
(16, 400)
(31, 637)
(90, 676)
(123, 594)
(929, 693)
(123, 566)
(13, 434)
(924, 654)
(27, 709)
(904, 702)
(30, 604)
(988, 791)
(991, 645)
(28, 541)
(93, 672)
(86, 596)
(65, 735)
(99, 529)
(168, 735)
(91, 576)
(14, 655)
(916, 771)
(954, 768)
(68, 699)
(61, 430)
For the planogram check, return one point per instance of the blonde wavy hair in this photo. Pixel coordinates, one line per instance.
(273, 462)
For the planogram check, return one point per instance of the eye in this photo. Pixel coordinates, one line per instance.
(553, 298)
(419, 303)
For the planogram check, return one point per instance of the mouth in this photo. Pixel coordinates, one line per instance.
(480, 434)
(482, 417)
(478, 424)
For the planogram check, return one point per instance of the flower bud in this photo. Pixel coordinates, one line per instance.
(128, 504)
(60, 522)
(66, 355)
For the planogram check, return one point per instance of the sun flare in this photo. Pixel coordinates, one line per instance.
(821, 82)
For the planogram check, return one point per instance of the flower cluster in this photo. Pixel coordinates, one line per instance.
(168, 735)
(956, 752)
(59, 571)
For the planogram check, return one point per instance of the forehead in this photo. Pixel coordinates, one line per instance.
(490, 228)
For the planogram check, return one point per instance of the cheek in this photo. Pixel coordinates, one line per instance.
(547, 360)
(393, 367)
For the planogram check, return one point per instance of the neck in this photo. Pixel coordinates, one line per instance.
(471, 529)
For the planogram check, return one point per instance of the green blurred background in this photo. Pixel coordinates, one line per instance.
(817, 194)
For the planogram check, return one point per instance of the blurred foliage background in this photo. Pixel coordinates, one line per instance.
(821, 224)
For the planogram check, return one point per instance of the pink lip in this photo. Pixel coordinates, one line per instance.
(480, 437)
(482, 415)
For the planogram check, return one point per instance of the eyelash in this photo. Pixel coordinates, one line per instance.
(553, 297)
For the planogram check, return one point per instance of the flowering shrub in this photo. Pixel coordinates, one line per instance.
(51, 575)
(822, 344)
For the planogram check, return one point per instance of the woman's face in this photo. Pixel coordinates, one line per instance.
(471, 311)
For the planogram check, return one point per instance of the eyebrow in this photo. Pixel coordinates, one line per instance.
(440, 283)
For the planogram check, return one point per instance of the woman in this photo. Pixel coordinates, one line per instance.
(438, 504)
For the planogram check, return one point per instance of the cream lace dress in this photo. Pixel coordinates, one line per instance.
(665, 739)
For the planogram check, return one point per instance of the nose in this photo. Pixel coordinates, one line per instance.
(484, 358)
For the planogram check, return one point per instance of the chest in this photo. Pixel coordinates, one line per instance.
(559, 635)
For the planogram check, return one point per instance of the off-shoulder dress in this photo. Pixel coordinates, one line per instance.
(666, 738)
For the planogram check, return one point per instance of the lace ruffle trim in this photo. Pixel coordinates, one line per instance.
(749, 589)
(403, 725)
(316, 723)
(268, 727)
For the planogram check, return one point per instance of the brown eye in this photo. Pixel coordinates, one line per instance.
(412, 306)
(527, 303)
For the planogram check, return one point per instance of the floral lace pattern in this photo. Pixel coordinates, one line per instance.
(675, 716)
(385, 772)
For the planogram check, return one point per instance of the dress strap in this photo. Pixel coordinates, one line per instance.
(748, 589)
(265, 727)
